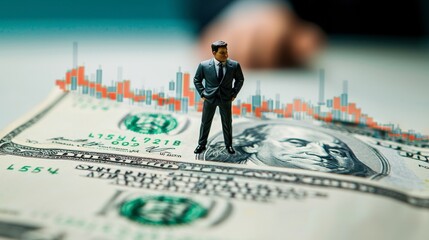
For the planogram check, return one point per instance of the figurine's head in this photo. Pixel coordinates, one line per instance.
(220, 51)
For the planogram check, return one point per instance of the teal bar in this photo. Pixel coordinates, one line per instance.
(73, 84)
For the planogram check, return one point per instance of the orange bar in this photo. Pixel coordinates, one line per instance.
(337, 103)
(177, 105)
(161, 101)
(91, 85)
(264, 106)
(343, 108)
(187, 92)
(81, 76)
(329, 117)
(186, 89)
(258, 112)
(68, 77)
(120, 89)
(98, 87)
(289, 110)
(155, 97)
(304, 107)
(358, 115)
(73, 73)
(139, 98)
(191, 98)
(103, 92)
(170, 100)
(111, 95)
(200, 106)
(376, 126)
(278, 111)
(61, 84)
(236, 110)
(352, 108)
(131, 95)
(297, 105)
(127, 93)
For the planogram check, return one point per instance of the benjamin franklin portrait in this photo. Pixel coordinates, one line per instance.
(286, 145)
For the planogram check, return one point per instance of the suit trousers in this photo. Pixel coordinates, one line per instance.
(209, 110)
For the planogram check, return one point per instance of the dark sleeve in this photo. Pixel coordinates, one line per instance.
(198, 80)
(239, 80)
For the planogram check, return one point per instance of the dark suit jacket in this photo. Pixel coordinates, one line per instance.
(227, 88)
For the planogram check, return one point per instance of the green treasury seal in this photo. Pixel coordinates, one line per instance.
(162, 210)
(150, 123)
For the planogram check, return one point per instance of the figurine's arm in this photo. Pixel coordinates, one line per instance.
(239, 80)
(198, 80)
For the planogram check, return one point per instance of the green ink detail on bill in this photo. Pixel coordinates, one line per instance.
(162, 210)
(150, 123)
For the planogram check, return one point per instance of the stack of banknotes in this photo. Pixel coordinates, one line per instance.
(83, 168)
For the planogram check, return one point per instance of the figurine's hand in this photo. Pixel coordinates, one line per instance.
(263, 35)
(233, 98)
(203, 98)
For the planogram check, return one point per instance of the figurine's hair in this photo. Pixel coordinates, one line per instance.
(216, 45)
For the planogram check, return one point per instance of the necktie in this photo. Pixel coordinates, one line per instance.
(220, 72)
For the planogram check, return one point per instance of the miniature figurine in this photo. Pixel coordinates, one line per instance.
(223, 80)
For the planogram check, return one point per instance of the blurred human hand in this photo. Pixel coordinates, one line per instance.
(263, 35)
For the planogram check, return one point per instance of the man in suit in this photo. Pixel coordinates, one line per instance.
(223, 80)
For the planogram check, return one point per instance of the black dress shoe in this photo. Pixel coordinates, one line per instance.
(200, 149)
(230, 150)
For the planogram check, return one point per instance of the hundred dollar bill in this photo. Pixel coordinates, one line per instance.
(79, 168)
(323, 148)
(80, 128)
(45, 199)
